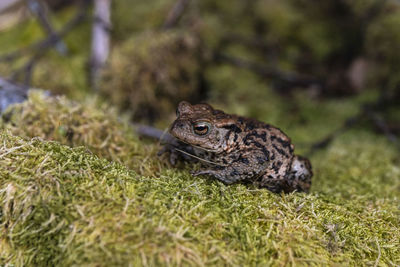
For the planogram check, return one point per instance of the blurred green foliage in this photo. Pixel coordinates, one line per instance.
(149, 74)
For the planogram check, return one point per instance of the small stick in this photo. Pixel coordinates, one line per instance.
(100, 40)
(51, 39)
(293, 79)
(175, 14)
(347, 125)
(154, 133)
(369, 111)
(39, 11)
(42, 46)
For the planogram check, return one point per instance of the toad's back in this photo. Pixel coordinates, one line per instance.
(235, 148)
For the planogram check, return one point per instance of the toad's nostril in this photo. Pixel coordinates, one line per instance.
(180, 125)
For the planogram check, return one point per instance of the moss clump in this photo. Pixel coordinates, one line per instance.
(39, 189)
(149, 74)
(90, 124)
(64, 206)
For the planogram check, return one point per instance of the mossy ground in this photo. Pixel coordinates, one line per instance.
(63, 205)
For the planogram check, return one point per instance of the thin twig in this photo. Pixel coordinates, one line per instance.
(42, 47)
(38, 9)
(175, 14)
(367, 112)
(381, 124)
(154, 133)
(347, 125)
(200, 159)
(52, 38)
(291, 78)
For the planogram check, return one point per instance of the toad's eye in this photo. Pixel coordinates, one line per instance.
(201, 128)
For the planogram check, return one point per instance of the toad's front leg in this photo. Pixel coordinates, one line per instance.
(245, 166)
(177, 151)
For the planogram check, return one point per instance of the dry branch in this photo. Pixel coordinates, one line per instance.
(38, 9)
(368, 112)
(290, 79)
(175, 14)
(100, 39)
(40, 48)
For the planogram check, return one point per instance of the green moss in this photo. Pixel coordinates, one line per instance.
(364, 168)
(90, 124)
(38, 182)
(67, 206)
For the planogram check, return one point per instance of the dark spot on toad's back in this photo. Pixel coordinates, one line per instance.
(260, 160)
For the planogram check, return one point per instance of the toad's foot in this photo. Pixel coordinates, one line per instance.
(300, 174)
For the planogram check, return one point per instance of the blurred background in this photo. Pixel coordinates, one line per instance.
(315, 70)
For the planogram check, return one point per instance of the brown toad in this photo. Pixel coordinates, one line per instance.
(237, 149)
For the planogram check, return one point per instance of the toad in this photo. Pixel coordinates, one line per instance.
(235, 149)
